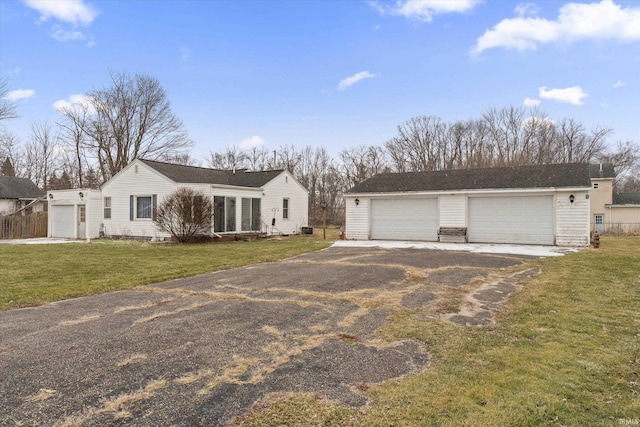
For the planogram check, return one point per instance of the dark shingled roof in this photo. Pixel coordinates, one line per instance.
(18, 188)
(534, 176)
(196, 175)
(626, 198)
(602, 170)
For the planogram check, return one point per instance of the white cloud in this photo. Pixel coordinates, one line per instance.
(530, 102)
(15, 95)
(619, 83)
(424, 10)
(526, 9)
(74, 102)
(74, 12)
(576, 21)
(572, 95)
(351, 80)
(63, 35)
(251, 142)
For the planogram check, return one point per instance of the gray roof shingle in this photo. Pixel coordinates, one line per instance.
(196, 175)
(18, 188)
(626, 199)
(533, 176)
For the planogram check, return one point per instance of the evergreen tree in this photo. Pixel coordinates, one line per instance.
(7, 168)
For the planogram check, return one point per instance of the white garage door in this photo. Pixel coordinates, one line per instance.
(404, 219)
(63, 221)
(523, 220)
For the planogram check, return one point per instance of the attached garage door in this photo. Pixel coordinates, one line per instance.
(62, 221)
(404, 219)
(523, 220)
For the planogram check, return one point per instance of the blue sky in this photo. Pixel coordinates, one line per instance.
(335, 74)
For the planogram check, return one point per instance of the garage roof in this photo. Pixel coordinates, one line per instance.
(532, 176)
(195, 175)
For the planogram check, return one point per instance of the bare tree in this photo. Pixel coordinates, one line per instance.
(130, 119)
(11, 148)
(8, 108)
(41, 153)
(231, 158)
(185, 213)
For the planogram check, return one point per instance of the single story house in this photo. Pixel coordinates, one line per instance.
(269, 202)
(538, 204)
(16, 194)
(612, 212)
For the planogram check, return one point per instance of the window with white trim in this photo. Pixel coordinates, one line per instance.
(285, 208)
(107, 208)
(598, 219)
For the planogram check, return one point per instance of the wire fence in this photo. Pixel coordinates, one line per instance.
(619, 229)
(23, 226)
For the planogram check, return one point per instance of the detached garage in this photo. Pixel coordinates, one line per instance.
(74, 214)
(540, 204)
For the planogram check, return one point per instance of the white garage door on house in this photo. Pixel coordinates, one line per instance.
(63, 221)
(511, 219)
(404, 219)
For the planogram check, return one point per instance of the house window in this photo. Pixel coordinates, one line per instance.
(144, 207)
(599, 219)
(285, 208)
(224, 214)
(595, 185)
(231, 213)
(107, 208)
(250, 214)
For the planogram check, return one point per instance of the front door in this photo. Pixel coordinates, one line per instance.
(82, 222)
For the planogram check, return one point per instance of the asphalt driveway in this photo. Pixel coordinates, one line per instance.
(201, 350)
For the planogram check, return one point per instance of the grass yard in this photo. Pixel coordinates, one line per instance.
(36, 274)
(565, 352)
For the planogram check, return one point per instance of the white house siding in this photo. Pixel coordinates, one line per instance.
(285, 186)
(357, 218)
(137, 179)
(453, 210)
(572, 219)
(7, 206)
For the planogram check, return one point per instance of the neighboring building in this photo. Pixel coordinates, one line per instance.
(20, 194)
(269, 202)
(539, 204)
(612, 212)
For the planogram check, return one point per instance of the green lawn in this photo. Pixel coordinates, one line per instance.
(36, 274)
(565, 352)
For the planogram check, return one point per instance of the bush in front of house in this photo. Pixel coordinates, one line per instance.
(185, 213)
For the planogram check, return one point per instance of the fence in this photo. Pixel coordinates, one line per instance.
(23, 227)
(620, 229)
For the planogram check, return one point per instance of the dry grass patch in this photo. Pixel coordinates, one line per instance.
(564, 351)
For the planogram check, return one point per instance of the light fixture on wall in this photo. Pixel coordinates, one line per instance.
(572, 198)
(81, 194)
(51, 196)
(357, 201)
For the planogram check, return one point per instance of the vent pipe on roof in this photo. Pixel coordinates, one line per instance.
(600, 167)
(234, 170)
